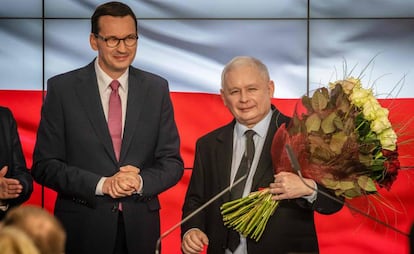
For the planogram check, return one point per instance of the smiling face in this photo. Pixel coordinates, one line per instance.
(247, 93)
(114, 61)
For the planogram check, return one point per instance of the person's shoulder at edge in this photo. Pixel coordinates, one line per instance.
(4, 111)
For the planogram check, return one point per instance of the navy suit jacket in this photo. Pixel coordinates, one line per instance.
(11, 155)
(74, 150)
(291, 228)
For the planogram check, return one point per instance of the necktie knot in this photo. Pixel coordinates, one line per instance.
(249, 135)
(114, 85)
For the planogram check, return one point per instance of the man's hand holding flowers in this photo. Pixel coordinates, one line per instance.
(288, 185)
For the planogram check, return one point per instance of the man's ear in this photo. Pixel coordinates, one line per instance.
(271, 87)
(93, 41)
(223, 98)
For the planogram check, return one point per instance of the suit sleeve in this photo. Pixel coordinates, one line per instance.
(17, 165)
(166, 168)
(326, 205)
(323, 204)
(50, 167)
(195, 196)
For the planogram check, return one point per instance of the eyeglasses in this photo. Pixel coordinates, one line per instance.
(113, 42)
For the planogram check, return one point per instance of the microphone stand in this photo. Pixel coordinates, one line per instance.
(166, 233)
(295, 165)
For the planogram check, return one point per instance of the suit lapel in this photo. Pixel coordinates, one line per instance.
(137, 90)
(224, 151)
(88, 94)
(265, 160)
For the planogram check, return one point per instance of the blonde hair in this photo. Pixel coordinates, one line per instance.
(41, 226)
(15, 241)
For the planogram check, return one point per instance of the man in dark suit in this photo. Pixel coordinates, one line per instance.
(247, 92)
(16, 183)
(108, 151)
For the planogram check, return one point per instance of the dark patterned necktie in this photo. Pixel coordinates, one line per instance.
(237, 191)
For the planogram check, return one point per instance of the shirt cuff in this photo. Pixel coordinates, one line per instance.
(99, 187)
(312, 197)
(141, 190)
(4, 206)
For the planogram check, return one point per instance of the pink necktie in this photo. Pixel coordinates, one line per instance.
(115, 118)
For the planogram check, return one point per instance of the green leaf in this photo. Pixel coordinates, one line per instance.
(338, 123)
(327, 124)
(365, 159)
(330, 183)
(320, 99)
(346, 185)
(337, 142)
(313, 123)
(322, 154)
(367, 184)
(352, 193)
(306, 101)
(342, 103)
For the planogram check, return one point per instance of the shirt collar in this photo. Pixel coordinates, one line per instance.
(260, 128)
(104, 79)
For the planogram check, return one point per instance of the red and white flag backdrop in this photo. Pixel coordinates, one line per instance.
(191, 53)
(198, 113)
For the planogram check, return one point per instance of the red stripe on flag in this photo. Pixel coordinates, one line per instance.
(197, 113)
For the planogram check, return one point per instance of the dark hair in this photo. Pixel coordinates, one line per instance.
(116, 9)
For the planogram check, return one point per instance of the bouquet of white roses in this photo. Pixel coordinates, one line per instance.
(343, 140)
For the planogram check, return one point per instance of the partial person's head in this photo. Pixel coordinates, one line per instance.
(246, 90)
(114, 34)
(41, 226)
(15, 241)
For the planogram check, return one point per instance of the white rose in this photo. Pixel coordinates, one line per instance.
(388, 139)
(380, 124)
(382, 112)
(370, 109)
(360, 96)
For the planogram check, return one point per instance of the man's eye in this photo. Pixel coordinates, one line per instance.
(112, 40)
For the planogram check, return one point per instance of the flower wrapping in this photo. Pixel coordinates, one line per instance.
(343, 140)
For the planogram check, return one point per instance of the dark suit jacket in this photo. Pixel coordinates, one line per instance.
(290, 229)
(11, 155)
(74, 150)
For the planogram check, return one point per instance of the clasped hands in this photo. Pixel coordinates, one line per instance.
(124, 183)
(9, 188)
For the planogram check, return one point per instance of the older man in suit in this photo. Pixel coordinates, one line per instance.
(247, 92)
(108, 143)
(16, 183)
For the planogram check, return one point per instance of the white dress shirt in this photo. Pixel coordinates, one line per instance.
(105, 90)
(239, 146)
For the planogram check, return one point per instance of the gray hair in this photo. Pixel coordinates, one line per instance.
(239, 61)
